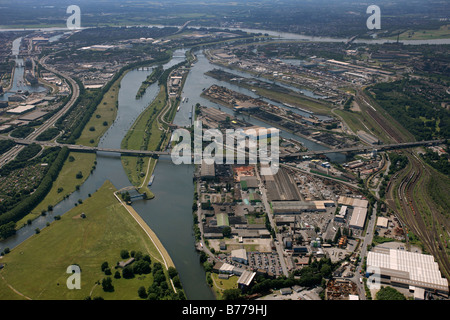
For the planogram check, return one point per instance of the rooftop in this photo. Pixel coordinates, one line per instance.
(358, 217)
(411, 268)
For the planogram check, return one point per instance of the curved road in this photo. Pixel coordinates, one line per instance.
(12, 153)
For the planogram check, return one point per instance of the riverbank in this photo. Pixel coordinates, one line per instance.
(143, 135)
(37, 267)
(150, 132)
(79, 165)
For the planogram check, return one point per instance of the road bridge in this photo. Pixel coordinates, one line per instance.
(381, 147)
(81, 148)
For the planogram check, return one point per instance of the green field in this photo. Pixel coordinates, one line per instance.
(442, 33)
(37, 267)
(103, 117)
(220, 285)
(67, 180)
(145, 134)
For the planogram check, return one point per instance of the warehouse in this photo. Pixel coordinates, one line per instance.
(207, 170)
(282, 187)
(382, 222)
(21, 109)
(353, 202)
(33, 116)
(407, 269)
(239, 255)
(358, 218)
(295, 207)
(245, 279)
(340, 217)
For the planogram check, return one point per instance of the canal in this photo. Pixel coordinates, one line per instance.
(169, 214)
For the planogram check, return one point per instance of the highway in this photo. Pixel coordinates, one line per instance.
(12, 153)
(31, 139)
(77, 147)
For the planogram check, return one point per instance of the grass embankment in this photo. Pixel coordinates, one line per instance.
(152, 78)
(77, 162)
(37, 267)
(442, 33)
(145, 134)
(220, 285)
(103, 117)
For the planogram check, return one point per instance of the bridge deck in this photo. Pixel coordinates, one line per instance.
(298, 154)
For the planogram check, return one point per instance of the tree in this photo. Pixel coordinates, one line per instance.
(172, 272)
(141, 267)
(138, 255)
(142, 293)
(127, 272)
(104, 266)
(176, 281)
(124, 254)
(226, 231)
(389, 293)
(107, 284)
(231, 294)
(7, 230)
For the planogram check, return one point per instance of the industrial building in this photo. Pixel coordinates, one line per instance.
(33, 116)
(21, 109)
(239, 255)
(207, 170)
(249, 182)
(358, 218)
(382, 222)
(407, 269)
(246, 279)
(353, 202)
(296, 207)
(282, 187)
(340, 217)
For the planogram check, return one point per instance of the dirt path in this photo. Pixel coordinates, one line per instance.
(156, 242)
(15, 291)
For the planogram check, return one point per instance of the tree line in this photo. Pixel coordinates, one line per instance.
(28, 204)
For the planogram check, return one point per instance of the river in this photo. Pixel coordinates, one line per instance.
(17, 82)
(171, 220)
(169, 214)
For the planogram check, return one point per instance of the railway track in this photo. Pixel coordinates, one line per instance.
(413, 211)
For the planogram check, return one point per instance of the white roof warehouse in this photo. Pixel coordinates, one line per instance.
(405, 269)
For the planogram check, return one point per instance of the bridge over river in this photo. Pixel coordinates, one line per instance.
(82, 148)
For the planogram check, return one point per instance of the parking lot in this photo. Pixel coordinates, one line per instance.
(265, 261)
